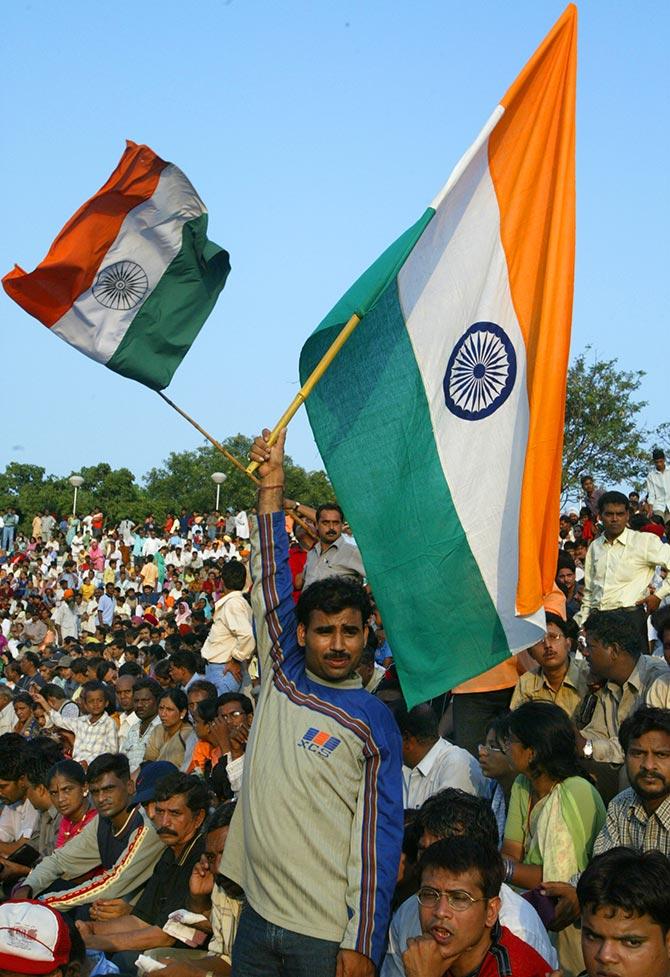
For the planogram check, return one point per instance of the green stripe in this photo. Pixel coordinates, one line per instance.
(167, 323)
(372, 424)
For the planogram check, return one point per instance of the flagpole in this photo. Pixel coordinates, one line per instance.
(310, 383)
(217, 444)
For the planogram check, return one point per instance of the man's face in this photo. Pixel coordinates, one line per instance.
(124, 692)
(193, 698)
(588, 485)
(565, 578)
(96, 703)
(648, 765)
(13, 790)
(457, 931)
(329, 526)
(215, 842)
(175, 822)
(110, 795)
(659, 464)
(617, 944)
(145, 705)
(614, 518)
(27, 667)
(599, 656)
(234, 716)
(333, 643)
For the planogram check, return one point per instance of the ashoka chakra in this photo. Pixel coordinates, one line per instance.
(481, 372)
(121, 285)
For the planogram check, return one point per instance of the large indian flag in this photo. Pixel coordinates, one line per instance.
(132, 276)
(441, 420)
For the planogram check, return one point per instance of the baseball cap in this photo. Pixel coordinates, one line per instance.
(34, 939)
(65, 661)
(148, 777)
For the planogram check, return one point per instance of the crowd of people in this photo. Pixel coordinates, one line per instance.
(207, 765)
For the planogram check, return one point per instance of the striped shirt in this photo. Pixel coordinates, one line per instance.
(628, 824)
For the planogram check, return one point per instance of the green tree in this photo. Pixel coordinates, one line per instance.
(603, 433)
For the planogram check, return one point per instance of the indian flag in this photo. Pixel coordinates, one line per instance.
(441, 420)
(132, 276)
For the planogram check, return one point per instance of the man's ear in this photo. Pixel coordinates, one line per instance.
(492, 910)
(300, 634)
(131, 787)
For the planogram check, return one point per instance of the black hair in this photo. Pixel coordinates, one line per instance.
(332, 595)
(192, 787)
(116, 763)
(162, 668)
(26, 699)
(94, 686)
(176, 696)
(70, 770)
(586, 478)
(328, 507)
(548, 730)
(460, 855)
(499, 726)
(131, 668)
(79, 666)
(152, 686)
(243, 700)
(203, 685)
(638, 883)
(221, 816)
(206, 710)
(53, 691)
(646, 719)
(234, 575)
(38, 759)
(185, 659)
(102, 668)
(420, 722)
(453, 813)
(368, 654)
(613, 498)
(615, 628)
(32, 657)
(157, 652)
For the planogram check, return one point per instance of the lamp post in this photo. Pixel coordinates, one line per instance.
(218, 478)
(76, 481)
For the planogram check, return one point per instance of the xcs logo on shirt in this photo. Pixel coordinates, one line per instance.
(316, 741)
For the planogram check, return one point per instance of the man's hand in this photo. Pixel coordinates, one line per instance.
(85, 929)
(233, 668)
(103, 909)
(270, 459)
(650, 603)
(567, 905)
(23, 892)
(238, 742)
(11, 870)
(424, 957)
(353, 964)
(201, 882)
(220, 734)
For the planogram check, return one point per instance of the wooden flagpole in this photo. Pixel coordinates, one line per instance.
(217, 444)
(231, 458)
(310, 383)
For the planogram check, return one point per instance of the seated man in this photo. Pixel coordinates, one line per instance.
(431, 763)
(19, 819)
(458, 907)
(453, 813)
(625, 898)
(120, 845)
(181, 804)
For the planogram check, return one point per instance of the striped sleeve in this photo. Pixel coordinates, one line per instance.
(131, 870)
(272, 593)
(376, 842)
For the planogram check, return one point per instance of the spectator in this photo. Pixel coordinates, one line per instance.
(559, 678)
(430, 762)
(96, 732)
(69, 793)
(168, 741)
(230, 642)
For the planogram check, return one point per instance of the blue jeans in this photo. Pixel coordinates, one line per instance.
(223, 683)
(8, 538)
(264, 950)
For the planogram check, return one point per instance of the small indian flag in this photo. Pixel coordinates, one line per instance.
(441, 419)
(132, 276)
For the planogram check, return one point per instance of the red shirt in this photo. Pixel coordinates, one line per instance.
(297, 557)
(508, 956)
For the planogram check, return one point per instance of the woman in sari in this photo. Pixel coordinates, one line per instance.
(555, 812)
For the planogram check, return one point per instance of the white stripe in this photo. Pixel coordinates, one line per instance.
(457, 276)
(151, 236)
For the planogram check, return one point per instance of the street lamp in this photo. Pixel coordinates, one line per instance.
(218, 478)
(76, 481)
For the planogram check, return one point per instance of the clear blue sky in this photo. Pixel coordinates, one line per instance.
(302, 126)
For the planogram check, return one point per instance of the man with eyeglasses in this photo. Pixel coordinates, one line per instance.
(459, 904)
(454, 814)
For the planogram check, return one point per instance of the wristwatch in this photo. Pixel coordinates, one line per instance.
(587, 751)
(296, 506)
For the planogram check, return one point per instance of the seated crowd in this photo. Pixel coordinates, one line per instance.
(192, 785)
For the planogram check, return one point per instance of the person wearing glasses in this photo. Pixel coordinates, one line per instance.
(559, 677)
(459, 903)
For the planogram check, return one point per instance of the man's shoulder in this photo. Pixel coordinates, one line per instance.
(522, 958)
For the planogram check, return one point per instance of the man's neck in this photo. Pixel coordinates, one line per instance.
(470, 961)
(178, 850)
(652, 804)
(423, 749)
(625, 672)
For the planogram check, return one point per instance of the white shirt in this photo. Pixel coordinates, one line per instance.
(151, 546)
(242, 525)
(515, 913)
(18, 821)
(231, 634)
(658, 490)
(618, 573)
(445, 765)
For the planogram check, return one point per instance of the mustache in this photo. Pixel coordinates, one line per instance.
(166, 831)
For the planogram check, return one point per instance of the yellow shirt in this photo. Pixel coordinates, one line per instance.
(533, 687)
